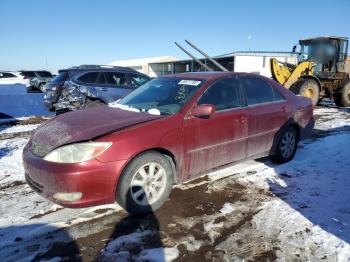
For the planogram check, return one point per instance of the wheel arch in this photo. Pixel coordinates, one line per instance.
(92, 98)
(165, 152)
(290, 123)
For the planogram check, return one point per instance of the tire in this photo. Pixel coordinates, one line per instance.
(92, 103)
(307, 87)
(342, 97)
(287, 145)
(132, 187)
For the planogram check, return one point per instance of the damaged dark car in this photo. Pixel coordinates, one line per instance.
(88, 86)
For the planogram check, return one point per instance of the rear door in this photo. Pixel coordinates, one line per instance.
(221, 138)
(117, 85)
(266, 113)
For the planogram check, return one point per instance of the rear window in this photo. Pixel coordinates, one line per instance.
(258, 91)
(89, 78)
(44, 74)
(61, 77)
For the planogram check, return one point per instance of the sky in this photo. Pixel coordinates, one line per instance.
(54, 34)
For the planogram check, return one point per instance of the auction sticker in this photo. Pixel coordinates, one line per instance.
(189, 82)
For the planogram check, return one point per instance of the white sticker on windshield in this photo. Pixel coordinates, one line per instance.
(189, 82)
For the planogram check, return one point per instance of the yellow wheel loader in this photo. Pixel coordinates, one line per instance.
(323, 70)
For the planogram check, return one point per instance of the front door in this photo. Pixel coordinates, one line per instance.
(221, 138)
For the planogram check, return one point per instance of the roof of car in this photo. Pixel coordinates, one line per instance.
(205, 75)
(99, 68)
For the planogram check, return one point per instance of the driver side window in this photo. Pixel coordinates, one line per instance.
(223, 94)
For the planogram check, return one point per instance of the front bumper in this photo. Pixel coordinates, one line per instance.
(95, 180)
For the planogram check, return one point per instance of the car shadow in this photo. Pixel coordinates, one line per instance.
(30, 243)
(316, 182)
(135, 237)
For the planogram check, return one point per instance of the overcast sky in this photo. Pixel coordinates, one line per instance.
(43, 34)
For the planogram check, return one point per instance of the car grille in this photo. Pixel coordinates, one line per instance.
(34, 185)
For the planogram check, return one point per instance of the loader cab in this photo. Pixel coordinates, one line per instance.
(328, 53)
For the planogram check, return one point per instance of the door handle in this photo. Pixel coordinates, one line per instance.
(243, 119)
(104, 89)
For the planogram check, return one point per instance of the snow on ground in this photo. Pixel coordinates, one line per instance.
(302, 213)
(6, 129)
(11, 166)
(313, 203)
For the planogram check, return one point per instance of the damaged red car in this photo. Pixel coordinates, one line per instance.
(169, 130)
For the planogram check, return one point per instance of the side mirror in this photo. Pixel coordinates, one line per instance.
(203, 111)
(294, 49)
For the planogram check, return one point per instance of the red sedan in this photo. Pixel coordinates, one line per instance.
(169, 130)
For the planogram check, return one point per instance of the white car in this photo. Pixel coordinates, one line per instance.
(9, 78)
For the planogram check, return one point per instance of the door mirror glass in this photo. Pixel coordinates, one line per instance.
(203, 111)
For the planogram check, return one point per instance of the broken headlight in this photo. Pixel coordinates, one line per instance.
(78, 152)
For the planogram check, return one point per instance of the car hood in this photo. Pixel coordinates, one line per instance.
(83, 125)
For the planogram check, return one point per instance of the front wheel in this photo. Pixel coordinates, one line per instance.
(287, 146)
(145, 184)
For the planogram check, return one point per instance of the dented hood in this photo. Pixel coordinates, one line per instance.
(83, 125)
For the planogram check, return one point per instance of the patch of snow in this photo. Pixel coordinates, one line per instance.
(158, 254)
(17, 128)
(11, 165)
(54, 259)
(227, 208)
(313, 190)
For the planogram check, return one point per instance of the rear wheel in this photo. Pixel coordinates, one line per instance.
(145, 183)
(307, 87)
(287, 145)
(342, 97)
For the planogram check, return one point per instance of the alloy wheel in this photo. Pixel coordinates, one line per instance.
(148, 184)
(288, 144)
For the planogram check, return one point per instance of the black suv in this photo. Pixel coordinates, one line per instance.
(90, 85)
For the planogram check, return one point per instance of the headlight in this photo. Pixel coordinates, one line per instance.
(78, 152)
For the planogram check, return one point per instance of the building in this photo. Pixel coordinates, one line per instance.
(247, 61)
(142, 65)
(259, 62)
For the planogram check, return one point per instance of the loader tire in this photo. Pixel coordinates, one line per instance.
(307, 87)
(342, 97)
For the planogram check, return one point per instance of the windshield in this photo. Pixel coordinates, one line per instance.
(59, 78)
(318, 51)
(164, 96)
